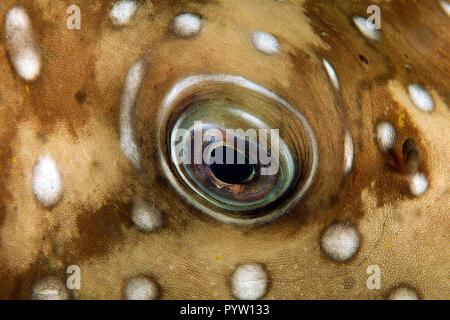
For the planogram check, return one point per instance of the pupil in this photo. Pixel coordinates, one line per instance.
(234, 173)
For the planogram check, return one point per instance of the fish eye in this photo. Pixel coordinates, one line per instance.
(234, 149)
(237, 171)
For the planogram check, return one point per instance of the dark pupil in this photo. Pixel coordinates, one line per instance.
(234, 173)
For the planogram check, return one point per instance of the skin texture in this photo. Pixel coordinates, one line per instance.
(72, 110)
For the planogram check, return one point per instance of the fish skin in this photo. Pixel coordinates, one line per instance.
(405, 236)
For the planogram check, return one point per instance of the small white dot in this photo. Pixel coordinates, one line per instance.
(249, 282)
(47, 181)
(446, 7)
(331, 73)
(385, 136)
(265, 43)
(340, 242)
(122, 11)
(141, 288)
(420, 97)
(403, 293)
(50, 288)
(418, 184)
(146, 217)
(348, 152)
(367, 28)
(186, 24)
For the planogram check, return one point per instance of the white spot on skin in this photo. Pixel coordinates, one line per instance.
(50, 288)
(403, 293)
(370, 33)
(445, 6)
(140, 288)
(146, 217)
(127, 109)
(418, 184)
(420, 97)
(331, 73)
(122, 12)
(340, 242)
(249, 282)
(47, 181)
(265, 43)
(348, 152)
(385, 136)
(186, 24)
(21, 43)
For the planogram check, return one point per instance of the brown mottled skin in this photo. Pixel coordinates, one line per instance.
(71, 111)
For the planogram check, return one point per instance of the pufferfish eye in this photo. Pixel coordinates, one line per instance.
(226, 149)
(216, 120)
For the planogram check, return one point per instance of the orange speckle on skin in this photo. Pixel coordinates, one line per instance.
(401, 119)
(218, 258)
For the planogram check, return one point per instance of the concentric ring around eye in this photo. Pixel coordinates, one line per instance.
(204, 116)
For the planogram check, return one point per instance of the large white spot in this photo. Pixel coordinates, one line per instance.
(186, 24)
(249, 282)
(47, 181)
(122, 11)
(265, 43)
(50, 288)
(367, 28)
(348, 152)
(331, 73)
(385, 136)
(127, 109)
(418, 184)
(140, 288)
(27, 64)
(145, 216)
(445, 6)
(420, 97)
(24, 52)
(403, 293)
(340, 242)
